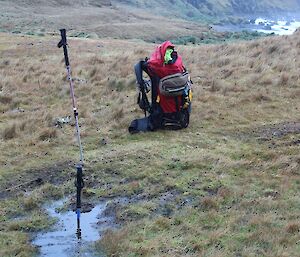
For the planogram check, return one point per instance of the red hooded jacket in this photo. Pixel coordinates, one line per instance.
(157, 67)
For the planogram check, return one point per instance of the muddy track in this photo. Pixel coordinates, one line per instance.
(268, 132)
(28, 180)
(277, 130)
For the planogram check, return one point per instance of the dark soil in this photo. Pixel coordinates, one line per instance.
(269, 132)
(28, 180)
(280, 130)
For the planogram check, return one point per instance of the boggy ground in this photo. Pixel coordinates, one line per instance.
(226, 186)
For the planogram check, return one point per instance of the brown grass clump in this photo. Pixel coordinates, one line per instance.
(50, 191)
(272, 49)
(47, 134)
(215, 85)
(30, 204)
(48, 119)
(118, 114)
(224, 192)
(209, 202)
(111, 242)
(9, 132)
(23, 248)
(5, 99)
(293, 228)
(93, 72)
(260, 97)
(162, 223)
(284, 78)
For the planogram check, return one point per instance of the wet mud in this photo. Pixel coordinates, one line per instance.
(277, 130)
(270, 132)
(31, 179)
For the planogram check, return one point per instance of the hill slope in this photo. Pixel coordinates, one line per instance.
(151, 20)
(210, 9)
(92, 19)
(59, 3)
(251, 7)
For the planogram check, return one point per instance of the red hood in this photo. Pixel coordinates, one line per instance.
(158, 55)
(163, 48)
(156, 63)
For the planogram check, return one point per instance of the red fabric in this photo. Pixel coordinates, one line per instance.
(156, 62)
(168, 104)
(157, 67)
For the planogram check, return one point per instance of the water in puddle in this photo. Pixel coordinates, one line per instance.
(62, 240)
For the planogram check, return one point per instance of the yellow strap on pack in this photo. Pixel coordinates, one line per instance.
(158, 99)
(187, 100)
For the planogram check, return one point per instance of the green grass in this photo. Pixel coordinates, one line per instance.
(230, 208)
(214, 38)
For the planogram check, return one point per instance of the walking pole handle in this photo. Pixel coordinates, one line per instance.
(63, 43)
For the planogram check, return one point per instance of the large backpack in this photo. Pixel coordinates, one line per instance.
(174, 86)
(171, 93)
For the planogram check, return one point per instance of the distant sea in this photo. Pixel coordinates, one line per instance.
(279, 27)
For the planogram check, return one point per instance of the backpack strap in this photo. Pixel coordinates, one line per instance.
(142, 99)
(177, 104)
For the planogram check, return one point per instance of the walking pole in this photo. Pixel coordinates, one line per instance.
(79, 181)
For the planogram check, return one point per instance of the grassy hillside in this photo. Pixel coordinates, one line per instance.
(94, 19)
(102, 19)
(212, 9)
(149, 20)
(250, 8)
(27, 3)
(226, 186)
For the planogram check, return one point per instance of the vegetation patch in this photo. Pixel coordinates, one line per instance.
(215, 38)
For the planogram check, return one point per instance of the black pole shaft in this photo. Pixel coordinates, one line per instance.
(79, 186)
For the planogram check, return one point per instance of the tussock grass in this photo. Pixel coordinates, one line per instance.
(113, 242)
(225, 186)
(5, 99)
(9, 132)
(30, 203)
(48, 134)
(11, 248)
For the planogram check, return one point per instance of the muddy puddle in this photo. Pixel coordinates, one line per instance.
(62, 241)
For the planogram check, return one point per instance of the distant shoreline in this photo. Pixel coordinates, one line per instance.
(268, 26)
